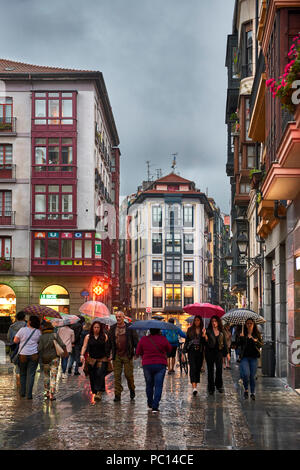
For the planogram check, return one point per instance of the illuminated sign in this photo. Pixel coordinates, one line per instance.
(98, 249)
(298, 263)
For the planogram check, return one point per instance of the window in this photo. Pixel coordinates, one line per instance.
(157, 243)
(173, 269)
(188, 215)
(173, 215)
(188, 241)
(53, 202)
(188, 269)
(247, 117)
(251, 156)
(173, 295)
(5, 155)
(157, 270)
(173, 243)
(6, 113)
(5, 203)
(188, 295)
(249, 50)
(157, 297)
(244, 188)
(53, 154)
(5, 248)
(54, 108)
(156, 216)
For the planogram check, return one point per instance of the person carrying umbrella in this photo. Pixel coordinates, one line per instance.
(250, 342)
(122, 343)
(97, 346)
(172, 337)
(194, 346)
(154, 349)
(215, 350)
(49, 358)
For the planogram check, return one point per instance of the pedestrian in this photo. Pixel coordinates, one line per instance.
(194, 346)
(250, 342)
(68, 338)
(215, 350)
(154, 349)
(75, 354)
(49, 359)
(123, 342)
(96, 346)
(227, 333)
(173, 338)
(28, 338)
(13, 347)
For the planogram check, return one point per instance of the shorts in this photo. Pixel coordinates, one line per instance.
(173, 352)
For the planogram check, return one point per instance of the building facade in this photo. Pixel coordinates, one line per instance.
(168, 224)
(59, 187)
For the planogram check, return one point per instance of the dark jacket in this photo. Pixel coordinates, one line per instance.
(244, 341)
(190, 336)
(213, 340)
(131, 337)
(77, 328)
(47, 350)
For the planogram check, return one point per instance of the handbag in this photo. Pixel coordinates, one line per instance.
(59, 350)
(15, 359)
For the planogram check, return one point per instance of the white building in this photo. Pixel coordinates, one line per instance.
(169, 256)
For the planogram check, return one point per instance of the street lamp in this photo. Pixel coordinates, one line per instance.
(229, 260)
(242, 243)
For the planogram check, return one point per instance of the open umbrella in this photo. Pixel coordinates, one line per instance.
(206, 310)
(147, 324)
(106, 320)
(157, 317)
(92, 309)
(65, 321)
(238, 316)
(190, 319)
(41, 311)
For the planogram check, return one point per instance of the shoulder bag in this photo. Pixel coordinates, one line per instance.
(15, 359)
(59, 350)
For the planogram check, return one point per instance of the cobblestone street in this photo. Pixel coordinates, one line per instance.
(223, 421)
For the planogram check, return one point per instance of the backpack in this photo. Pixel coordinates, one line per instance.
(172, 336)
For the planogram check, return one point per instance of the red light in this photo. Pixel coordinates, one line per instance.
(98, 289)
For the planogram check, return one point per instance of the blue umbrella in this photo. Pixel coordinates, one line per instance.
(147, 324)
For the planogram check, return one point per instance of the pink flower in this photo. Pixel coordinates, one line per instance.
(270, 82)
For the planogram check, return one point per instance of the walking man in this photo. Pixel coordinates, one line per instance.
(122, 342)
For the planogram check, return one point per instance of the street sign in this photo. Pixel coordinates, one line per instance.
(84, 293)
(148, 310)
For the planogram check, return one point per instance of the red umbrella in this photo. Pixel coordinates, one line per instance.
(41, 311)
(206, 310)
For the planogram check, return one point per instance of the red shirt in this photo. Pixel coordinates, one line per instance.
(153, 353)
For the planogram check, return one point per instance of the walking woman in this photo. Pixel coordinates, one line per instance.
(28, 337)
(97, 346)
(154, 349)
(215, 350)
(194, 346)
(49, 358)
(250, 342)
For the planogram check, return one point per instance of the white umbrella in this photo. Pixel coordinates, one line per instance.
(238, 316)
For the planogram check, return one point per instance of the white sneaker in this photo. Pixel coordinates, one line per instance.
(64, 376)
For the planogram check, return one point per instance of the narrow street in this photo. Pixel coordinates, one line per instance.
(219, 422)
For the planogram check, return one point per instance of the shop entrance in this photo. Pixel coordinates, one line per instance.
(7, 307)
(56, 297)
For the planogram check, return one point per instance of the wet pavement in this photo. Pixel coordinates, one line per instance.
(222, 421)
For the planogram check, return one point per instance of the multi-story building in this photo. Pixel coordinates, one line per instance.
(59, 187)
(169, 223)
(242, 150)
(277, 184)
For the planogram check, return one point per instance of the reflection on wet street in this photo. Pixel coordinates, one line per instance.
(222, 421)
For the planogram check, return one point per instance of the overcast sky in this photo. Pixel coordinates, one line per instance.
(163, 63)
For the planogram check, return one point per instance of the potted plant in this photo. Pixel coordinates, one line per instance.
(283, 87)
(256, 176)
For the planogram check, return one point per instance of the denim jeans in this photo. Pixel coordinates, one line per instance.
(154, 376)
(74, 357)
(28, 366)
(248, 367)
(64, 363)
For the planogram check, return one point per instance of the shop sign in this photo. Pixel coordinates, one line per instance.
(98, 245)
(66, 235)
(39, 235)
(53, 234)
(84, 293)
(88, 235)
(78, 235)
(97, 235)
(54, 302)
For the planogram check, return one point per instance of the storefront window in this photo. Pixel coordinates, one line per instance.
(7, 301)
(56, 297)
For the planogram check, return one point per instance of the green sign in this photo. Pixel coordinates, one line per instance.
(98, 249)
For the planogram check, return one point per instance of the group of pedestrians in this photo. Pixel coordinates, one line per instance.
(101, 350)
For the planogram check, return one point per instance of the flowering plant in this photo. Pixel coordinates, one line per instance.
(282, 88)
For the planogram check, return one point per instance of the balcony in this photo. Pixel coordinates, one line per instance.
(54, 171)
(6, 265)
(7, 219)
(8, 126)
(7, 173)
(50, 219)
(257, 104)
(266, 211)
